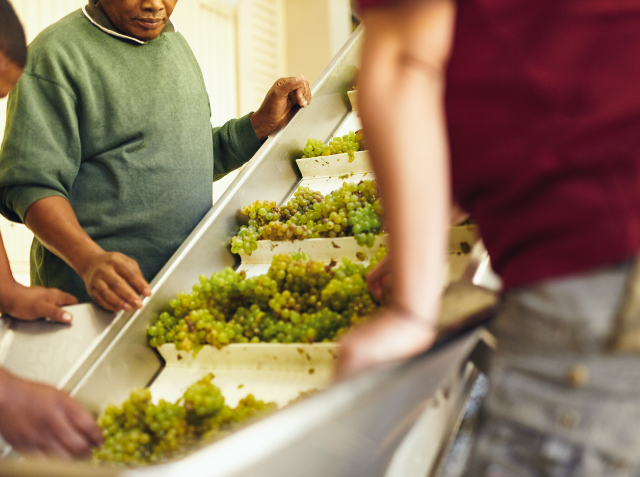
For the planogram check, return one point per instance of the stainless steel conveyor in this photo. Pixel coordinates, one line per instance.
(392, 422)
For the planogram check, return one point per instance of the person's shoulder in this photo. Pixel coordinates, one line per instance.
(180, 42)
(67, 28)
(60, 38)
(177, 38)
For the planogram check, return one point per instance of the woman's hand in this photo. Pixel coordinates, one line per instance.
(390, 335)
(379, 278)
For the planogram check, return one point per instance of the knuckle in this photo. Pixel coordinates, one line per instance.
(77, 444)
(99, 287)
(112, 260)
(98, 275)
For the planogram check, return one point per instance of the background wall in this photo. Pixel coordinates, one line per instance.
(314, 32)
(242, 46)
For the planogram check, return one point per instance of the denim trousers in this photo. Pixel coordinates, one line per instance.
(564, 380)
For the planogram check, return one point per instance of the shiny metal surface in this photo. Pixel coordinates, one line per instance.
(45, 351)
(126, 359)
(352, 429)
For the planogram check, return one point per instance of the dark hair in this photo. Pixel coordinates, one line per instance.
(12, 41)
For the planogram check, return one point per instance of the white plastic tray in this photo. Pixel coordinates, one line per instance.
(270, 371)
(279, 372)
(353, 98)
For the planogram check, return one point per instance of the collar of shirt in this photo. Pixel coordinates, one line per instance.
(100, 20)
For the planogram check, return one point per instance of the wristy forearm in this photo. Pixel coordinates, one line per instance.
(79, 258)
(422, 321)
(78, 251)
(261, 126)
(54, 223)
(5, 386)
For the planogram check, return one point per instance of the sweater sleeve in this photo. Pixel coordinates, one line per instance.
(234, 144)
(41, 150)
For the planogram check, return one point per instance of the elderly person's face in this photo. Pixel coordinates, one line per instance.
(141, 19)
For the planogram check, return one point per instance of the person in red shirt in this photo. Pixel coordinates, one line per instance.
(35, 418)
(527, 114)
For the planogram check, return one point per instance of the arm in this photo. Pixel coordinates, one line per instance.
(401, 95)
(30, 303)
(112, 279)
(238, 140)
(39, 162)
(39, 419)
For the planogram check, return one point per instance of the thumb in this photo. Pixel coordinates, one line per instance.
(52, 306)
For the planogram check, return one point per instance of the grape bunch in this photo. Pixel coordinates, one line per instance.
(202, 400)
(349, 143)
(297, 300)
(364, 223)
(139, 432)
(352, 210)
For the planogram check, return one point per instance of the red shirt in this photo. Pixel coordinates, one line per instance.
(543, 110)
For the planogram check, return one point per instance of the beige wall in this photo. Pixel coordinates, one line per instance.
(315, 30)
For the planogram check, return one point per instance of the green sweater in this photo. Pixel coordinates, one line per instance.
(122, 130)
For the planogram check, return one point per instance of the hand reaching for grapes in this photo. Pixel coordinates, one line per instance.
(390, 335)
(115, 282)
(281, 98)
(31, 303)
(379, 278)
(39, 419)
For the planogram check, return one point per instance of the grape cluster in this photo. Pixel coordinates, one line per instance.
(349, 143)
(364, 223)
(297, 300)
(352, 210)
(139, 432)
(202, 400)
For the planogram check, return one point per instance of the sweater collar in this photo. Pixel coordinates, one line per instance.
(101, 21)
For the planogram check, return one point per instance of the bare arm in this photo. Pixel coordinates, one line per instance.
(401, 94)
(112, 279)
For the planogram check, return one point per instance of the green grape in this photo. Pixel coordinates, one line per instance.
(203, 399)
(364, 223)
(349, 143)
(297, 300)
(352, 210)
(139, 432)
